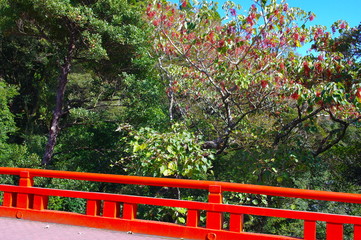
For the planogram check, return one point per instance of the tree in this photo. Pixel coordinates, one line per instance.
(11, 154)
(220, 75)
(7, 123)
(95, 34)
(28, 65)
(349, 43)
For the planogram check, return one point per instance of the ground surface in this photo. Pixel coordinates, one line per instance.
(18, 229)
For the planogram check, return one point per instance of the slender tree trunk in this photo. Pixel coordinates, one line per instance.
(58, 111)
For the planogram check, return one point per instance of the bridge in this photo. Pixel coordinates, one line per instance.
(118, 212)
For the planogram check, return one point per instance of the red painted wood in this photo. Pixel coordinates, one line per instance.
(334, 231)
(193, 217)
(130, 211)
(93, 207)
(196, 184)
(111, 209)
(357, 232)
(312, 216)
(309, 230)
(214, 219)
(40, 202)
(236, 222)
(9, 199)
(23, 200)
(25, 179)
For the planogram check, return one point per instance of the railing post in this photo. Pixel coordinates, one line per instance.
(40, 202)
(111, 209)
(9, 199)
(192, 218)
(25, 179)
(334, 231)
(236, 222)
(309, 230)
(93, 207)
(24, 200)
(357, 232)
(130, 211)
(214, 219)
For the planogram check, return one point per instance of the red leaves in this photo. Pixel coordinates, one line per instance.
(250, 18)
(319, 99)
(151, 14)
(302, 38)
(210, 37)
(343, 25)
(306, 68)
(358, 95)
(295, 96)
(233, 12)
(221, 43)
(295, 36)
(184, 4)
(156, 22)
(264, 83)
(219, 28)
(311, 17)
(282, 66)
(318, 67)
(282, 20)
(285, 7)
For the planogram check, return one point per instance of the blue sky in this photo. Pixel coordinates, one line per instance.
(327, 11)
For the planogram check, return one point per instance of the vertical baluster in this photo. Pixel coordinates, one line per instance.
(214, 219)
(9, 199)
(111, 209)
(236, 222)
(193, 218)
(130, 211)
(334, 231)
(357, 232)
(40, 202)
(24, 200)
(93, 207)
(309, 230)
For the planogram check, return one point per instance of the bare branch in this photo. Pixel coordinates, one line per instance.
(291, 125)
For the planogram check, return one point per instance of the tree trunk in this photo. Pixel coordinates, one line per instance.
(58, 112)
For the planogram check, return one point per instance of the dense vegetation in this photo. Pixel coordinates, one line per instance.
(156, 89)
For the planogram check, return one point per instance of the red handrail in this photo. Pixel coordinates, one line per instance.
(194, 184)
(103, 210)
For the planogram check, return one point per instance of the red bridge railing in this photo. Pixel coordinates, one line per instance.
(119, 212)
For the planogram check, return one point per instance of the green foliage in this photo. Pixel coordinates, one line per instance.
(7, 124)
(11, 155)
(176, 153)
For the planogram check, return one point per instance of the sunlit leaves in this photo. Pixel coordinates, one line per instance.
(176, 153)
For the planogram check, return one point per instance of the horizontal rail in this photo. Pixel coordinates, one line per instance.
(258, 211)
(194, 184)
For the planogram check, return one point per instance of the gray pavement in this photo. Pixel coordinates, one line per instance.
(18, 229)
